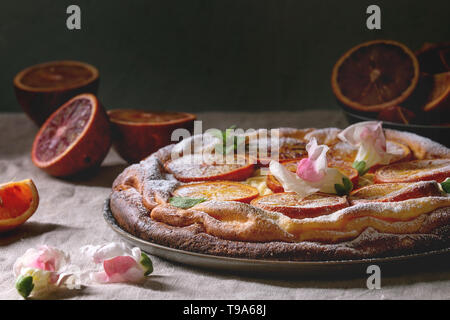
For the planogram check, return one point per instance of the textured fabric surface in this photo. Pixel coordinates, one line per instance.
(70, 216)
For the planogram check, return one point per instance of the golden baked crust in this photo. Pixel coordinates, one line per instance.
(139, 205)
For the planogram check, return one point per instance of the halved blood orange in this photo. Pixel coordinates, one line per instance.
(288, 149)
(218, 190)
(138, 133)
(43, 88)
(416, 170)
(18, 201)
(290, 204)
(274, 185)
(389, 192)
(74, 138)
(375, 75)
(195, 167)
(432, 57)
(439, 96)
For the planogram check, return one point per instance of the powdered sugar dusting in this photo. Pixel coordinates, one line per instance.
(423, 147)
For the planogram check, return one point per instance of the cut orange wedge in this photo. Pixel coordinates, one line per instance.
(291, 205)
(439, 97)
(18, 202)
(412, 171)
(218, 190)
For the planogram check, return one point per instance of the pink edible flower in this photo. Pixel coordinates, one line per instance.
(118, 263)
(44, 258)
(41, 270)
(313, 168)
(312, 175)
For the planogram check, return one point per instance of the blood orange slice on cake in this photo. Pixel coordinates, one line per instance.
(290, 204)
(416, 170)
(218, 190)
(196, 167)
(388, 192)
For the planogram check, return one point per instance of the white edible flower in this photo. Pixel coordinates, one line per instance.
(368, 136)
(43, 269)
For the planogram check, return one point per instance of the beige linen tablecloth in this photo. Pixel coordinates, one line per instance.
(70, 216)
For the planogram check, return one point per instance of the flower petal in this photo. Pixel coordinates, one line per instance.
(313, 168)
(290, 181)
(118, 265)
(370, 139)
(103, 252)
(44, 258)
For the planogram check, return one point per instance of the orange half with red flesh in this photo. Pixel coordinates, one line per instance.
(18, 202)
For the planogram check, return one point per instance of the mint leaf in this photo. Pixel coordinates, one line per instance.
(446, 185)
(361, 167)
(185, 202)
(348, 185)
(146, 263)
(340, 190)
(230, 142)
(24, 285)
(345, 188)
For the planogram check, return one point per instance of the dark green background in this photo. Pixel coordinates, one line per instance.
(200, 55)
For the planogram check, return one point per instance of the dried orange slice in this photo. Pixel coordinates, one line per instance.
(445, 57)
(432, 57)
(439, 97)
(389, 192)
(290, 204)
(196, 167)
(416, 170)
(274, 185)
(218, 190)
(18, 202)
(375, 75)
(76, 137)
